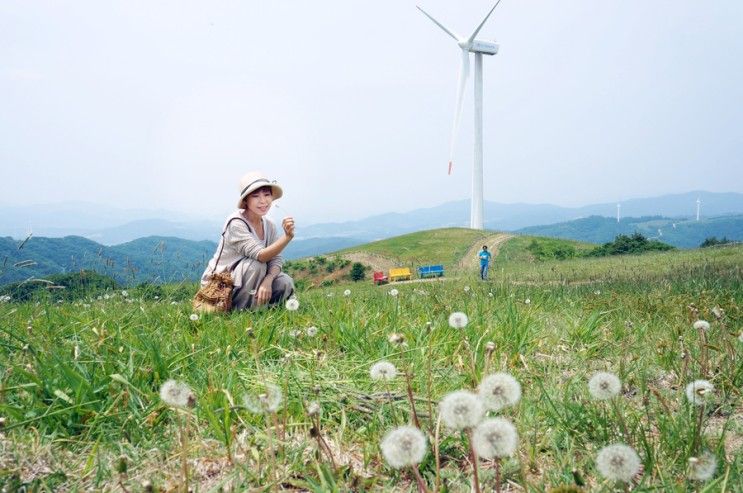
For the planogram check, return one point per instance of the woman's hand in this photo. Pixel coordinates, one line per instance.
(288, 225)
(264, 293)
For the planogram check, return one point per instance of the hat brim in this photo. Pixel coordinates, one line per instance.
(276, 191)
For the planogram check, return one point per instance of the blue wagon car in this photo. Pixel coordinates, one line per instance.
(430, 271)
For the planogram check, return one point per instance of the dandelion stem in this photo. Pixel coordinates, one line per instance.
(698, 431)
(620, 417)
(421, 484)
(412, 401)
(183, 428)
(437, 483)
(473, 458)
(497, 474)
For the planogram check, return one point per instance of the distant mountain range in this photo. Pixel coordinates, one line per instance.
(111, 226)
(681, 233)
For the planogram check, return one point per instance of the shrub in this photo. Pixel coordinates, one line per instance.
(357, 271)
(713, 241)
(624, 244)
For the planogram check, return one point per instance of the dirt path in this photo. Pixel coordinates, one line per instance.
(470, 260)
(376, 262)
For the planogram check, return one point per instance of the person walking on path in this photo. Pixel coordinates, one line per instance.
(250, 248)
(484, 257)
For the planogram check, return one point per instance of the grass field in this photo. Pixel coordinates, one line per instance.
(80, 382)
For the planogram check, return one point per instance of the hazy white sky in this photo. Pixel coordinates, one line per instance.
(349, 104)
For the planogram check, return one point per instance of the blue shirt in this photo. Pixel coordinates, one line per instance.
(484, 257)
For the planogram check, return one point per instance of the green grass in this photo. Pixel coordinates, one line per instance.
(80, 380)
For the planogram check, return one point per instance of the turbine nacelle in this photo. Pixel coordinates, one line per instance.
(484, 47)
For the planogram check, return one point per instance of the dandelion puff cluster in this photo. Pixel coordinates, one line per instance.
(347, 292)
(618, 462)
(265, 402)
(394, 292)
(404, 446)
(384, 370)
(311, 331)
(458, 320)
(495, 437)
(292, 304)
(461, 409)
(177, 394)
(701, 325)
(604, 385)
(699, 392)
(499, 390)
(194, 317)
(702, 468)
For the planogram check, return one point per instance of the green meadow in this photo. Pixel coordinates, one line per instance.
(80, 380)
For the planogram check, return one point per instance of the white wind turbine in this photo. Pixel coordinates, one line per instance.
(478, 47)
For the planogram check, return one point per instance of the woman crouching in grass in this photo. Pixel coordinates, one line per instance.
(251, 249)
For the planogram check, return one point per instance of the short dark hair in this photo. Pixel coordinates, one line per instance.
(267, 188)
(484, 247)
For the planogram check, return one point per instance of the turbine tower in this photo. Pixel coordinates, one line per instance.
(478, 47)
(619, 206)
(699, 202)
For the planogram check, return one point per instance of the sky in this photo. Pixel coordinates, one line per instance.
(349, 104)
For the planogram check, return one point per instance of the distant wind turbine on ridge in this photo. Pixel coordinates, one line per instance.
(478, 47)
(699, 202)
(619, 206)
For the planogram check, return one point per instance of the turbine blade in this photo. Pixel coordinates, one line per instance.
(472, 38)
(447, 31)
(464, 72)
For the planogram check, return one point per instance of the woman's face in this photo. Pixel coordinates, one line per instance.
(259, 202)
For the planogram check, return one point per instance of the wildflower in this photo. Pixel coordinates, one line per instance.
(698, 392)
(718, 312)
(124, 293)
(618, 462)
(266, 402)
(499, 390)
(527, 301)
(740, 337)
(384, 370)
(490, 294)
(597, 292)
(461, 409)
(177, 394)
(292, 304)
(458, 320)
(106, 297)
(194, 317)
(702, 468)
(172, 302)
(466, 289)
(394, 292)
(604, 385)
(313, 409)
(701, 325)
(295, 333)
(311, 331)
(396, 338)
(404, 446)
(347, 292)
(495, 437)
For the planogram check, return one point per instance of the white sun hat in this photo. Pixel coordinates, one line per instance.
(255, 180)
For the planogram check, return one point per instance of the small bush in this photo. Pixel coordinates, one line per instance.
(357, 271)
(713, 241)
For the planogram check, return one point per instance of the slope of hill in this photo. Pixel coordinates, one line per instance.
(681, 233)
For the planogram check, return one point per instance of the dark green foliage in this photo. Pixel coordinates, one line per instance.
(713, 241)
(634, 244)
(70, 286)
(551, 249)
(357, 271)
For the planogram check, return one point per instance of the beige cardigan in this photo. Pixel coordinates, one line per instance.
(241, 243)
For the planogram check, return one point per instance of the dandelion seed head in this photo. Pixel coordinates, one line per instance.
(295, 333)
(314, 409)
(347, 292)
(490, 294)
(125, 293)
(394, 292)
(466, 289)
(701, 325)
(194, 317)
(266, 401)
(527, 301)
(404, 446)
(177, 394)
(718, 312)
(292, 304)
(699, 392)
(396, 338)
(618, 462)
(461, 409)
(458, 320)
(702, 468)
(495, 437)
(604, 385)
(383, 370)
(311, 331)
(499, 390)
(490, 346)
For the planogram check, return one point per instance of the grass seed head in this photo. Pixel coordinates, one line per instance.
(177, 394)
(618, 462)
(461, 409)
(499, 390)
(604, 385)
(404, 446)
(699, 392)
(701, 325)
(458, 320)
(383, 370)
(266, 402)
(495, 437)
(702, 468)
